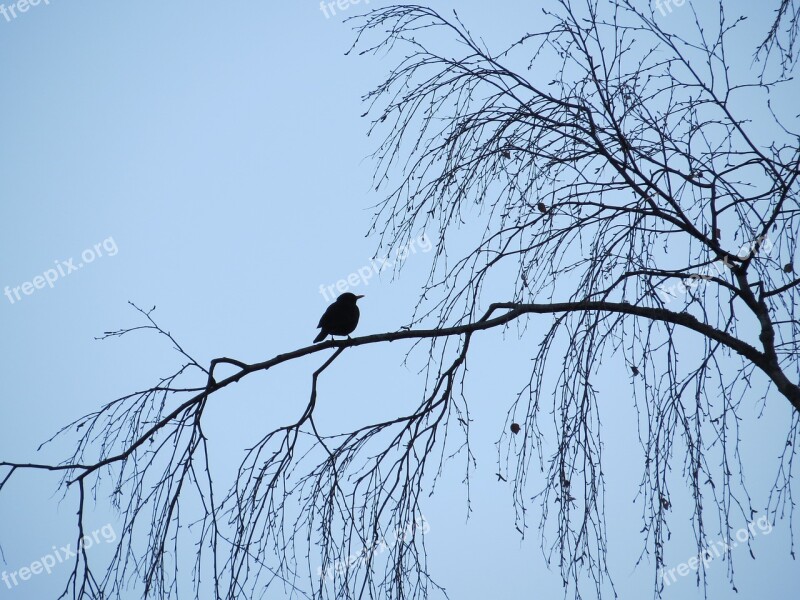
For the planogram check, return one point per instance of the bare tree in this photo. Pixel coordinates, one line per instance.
(645, 194)
(781, 40)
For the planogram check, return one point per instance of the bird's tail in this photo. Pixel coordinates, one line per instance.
(320, 336)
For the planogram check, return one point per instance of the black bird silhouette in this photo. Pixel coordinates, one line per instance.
(340, 318)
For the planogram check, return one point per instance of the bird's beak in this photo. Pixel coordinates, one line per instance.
(357, 297)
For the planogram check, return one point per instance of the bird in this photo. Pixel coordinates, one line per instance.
(340, 318)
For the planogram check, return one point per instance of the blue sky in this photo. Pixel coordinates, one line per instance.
(215, 155)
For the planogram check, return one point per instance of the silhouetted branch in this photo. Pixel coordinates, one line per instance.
(628, 193)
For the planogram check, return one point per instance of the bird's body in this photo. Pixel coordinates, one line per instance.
(340, 318)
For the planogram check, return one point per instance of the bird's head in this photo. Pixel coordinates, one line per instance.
(348, 298)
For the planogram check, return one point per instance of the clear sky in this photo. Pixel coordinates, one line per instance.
(209, 159)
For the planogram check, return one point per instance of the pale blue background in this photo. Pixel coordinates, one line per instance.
(220, 145)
